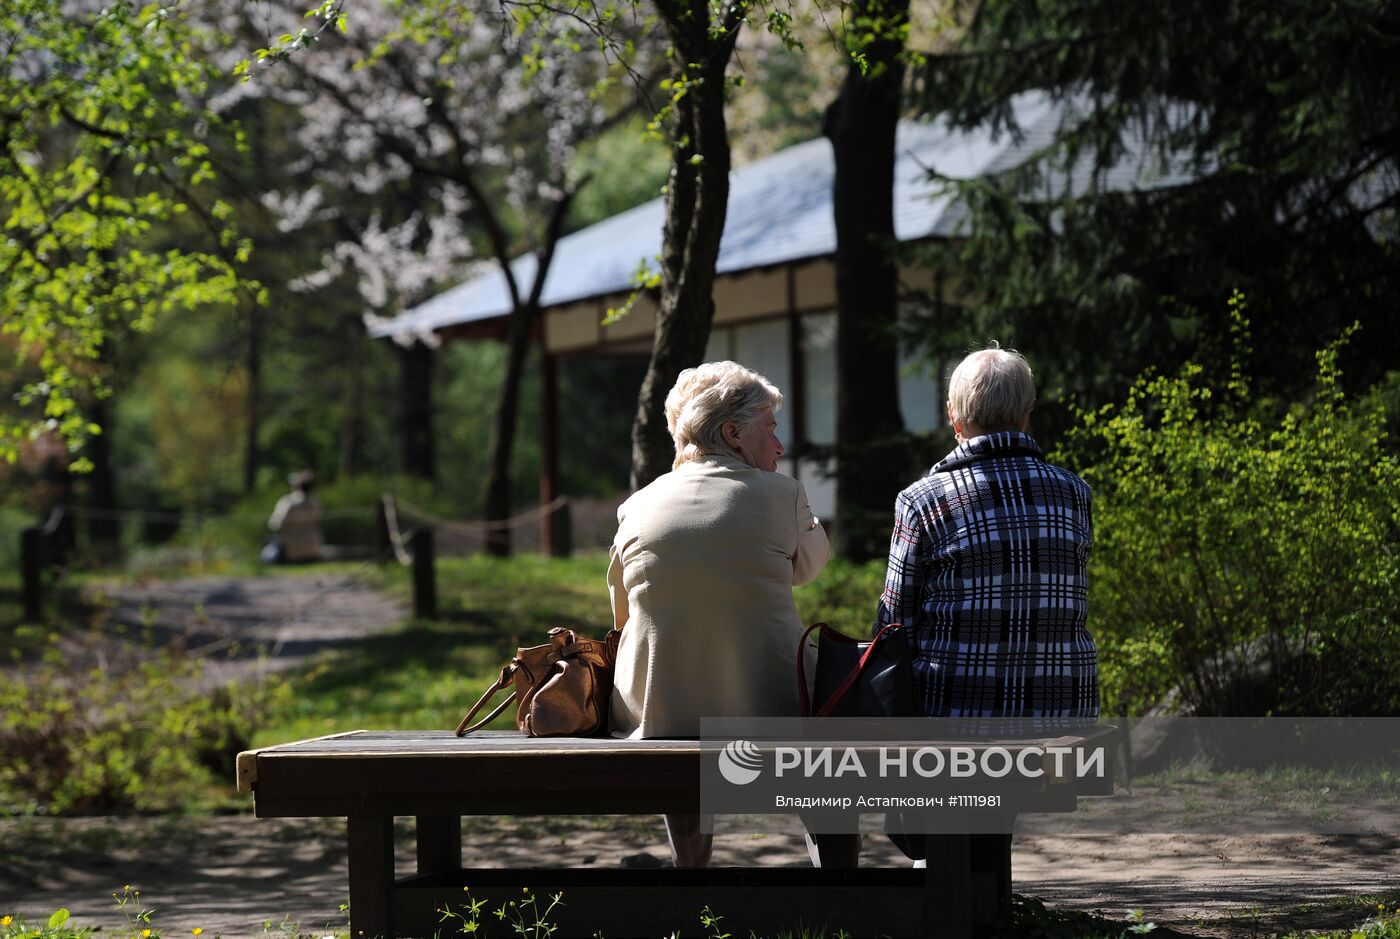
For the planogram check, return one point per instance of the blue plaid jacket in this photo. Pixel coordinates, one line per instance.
(988, 572)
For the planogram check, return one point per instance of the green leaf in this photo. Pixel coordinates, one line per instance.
(59, 917)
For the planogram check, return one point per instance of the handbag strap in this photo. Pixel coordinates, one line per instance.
(507, 673)
(830, 704)
(804, 701)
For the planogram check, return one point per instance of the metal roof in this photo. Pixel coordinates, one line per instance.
(780, 210)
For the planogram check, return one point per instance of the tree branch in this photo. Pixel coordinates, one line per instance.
(29, 239)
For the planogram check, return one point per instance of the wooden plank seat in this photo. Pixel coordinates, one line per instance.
(372, 777)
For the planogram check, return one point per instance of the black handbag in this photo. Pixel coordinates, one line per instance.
(858, 679)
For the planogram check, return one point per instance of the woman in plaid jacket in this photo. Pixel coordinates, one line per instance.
(988, 566)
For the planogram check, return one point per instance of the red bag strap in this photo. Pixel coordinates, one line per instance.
(850, 679)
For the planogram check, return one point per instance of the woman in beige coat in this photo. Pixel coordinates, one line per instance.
(702, 571)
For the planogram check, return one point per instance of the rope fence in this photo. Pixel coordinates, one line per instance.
(410, 535)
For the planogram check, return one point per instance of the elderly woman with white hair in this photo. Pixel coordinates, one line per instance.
(989, 573)
(702, 571)
(989, 562)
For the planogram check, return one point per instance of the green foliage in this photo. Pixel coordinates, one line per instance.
(1246, 553)
(138, 922)
(1262, 142)
(843, 596)
(103, 150)
(525, 916)
(1384, 925)
(784, 96)
(100, 724)
(1031, 919)
(530, 917)
(58, 926)
(596, 401)
(624, 168)
(325, 15)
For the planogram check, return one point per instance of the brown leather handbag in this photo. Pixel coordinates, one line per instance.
(562, 688)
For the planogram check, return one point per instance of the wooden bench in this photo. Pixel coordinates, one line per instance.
(371, 778)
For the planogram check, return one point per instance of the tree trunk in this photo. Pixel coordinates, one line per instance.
(502, 446)
(417, 403)
(521, 332)
(861, 125)
(697, 200)
(352, 399)
(251, 453)
(103, 527)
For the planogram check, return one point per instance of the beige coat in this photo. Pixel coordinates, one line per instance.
(701, 579)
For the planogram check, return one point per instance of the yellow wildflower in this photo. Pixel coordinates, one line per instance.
(145, 934)
(6, 920)
(196, 931)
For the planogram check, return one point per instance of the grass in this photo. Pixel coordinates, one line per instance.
(425, 674)
(1365, 917)
(1357, 917)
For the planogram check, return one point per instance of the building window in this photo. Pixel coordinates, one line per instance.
(919, 386)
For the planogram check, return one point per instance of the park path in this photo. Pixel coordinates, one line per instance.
(246, 625)
(230, 875)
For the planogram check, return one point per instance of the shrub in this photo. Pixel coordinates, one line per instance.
(844, 596)
(1246, 552)
(103, 725)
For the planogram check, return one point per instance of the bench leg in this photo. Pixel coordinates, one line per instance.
(969, 883)
(439, 844)
(991, 878)
(371, 851)
(949, 907)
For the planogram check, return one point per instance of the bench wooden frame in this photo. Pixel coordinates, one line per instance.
(371, 778)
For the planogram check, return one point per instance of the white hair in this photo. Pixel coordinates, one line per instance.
(992, 388)
(707, 396)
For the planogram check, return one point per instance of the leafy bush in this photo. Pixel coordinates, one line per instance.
(104, 725)
(843, 596)
(1247, 553)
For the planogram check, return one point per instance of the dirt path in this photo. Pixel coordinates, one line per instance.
(230, 875)
(242, 625)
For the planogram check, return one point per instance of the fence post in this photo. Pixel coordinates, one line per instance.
(383, 540)
(561, 532)
(64, 539)
(424, 575)
(32, 573)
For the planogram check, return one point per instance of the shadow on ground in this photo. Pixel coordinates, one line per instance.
(231, 874)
